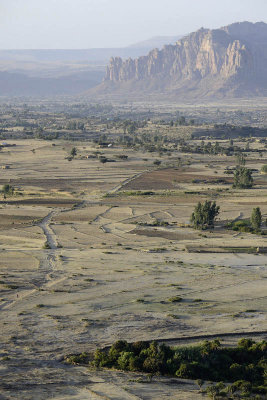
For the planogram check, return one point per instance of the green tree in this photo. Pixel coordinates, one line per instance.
(241, 160)
(256, 218)
(243, 178)
(73, 152)
(182, 121)
(200, 383)
(204, 215)
(8, 189)
(103, 159)
(213, 392)
(157, 162)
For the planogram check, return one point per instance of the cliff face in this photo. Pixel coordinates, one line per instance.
(227, 61)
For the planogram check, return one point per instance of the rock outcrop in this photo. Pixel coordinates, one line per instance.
(231, 61)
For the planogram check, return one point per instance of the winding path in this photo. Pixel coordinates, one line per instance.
(49, 233)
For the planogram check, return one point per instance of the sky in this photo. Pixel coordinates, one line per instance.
(81, 24)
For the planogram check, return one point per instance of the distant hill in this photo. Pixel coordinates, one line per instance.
(88, 56)
(62, 72)
(226, 62)
(156, 42)
(18, 84)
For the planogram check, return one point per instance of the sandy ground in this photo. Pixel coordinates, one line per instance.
(103, 277)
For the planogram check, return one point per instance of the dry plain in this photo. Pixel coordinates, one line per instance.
(81, 268)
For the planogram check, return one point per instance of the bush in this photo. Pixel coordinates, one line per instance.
(8, 189)
(103, 160)
(157, 162)
(176, 299)
(78, 359)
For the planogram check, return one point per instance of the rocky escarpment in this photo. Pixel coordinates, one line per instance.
(231, 61)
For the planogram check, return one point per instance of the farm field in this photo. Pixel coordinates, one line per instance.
(95, 252)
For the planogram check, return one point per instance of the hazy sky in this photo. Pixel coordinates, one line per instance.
(29, 24)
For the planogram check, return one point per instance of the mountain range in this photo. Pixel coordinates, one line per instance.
(218, 63)
(63, 72)
(229, 62)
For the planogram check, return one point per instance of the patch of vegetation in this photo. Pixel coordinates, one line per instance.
(244, 366)
(174, 316)
(157, 162)
(40, 305)
(251, 225)
(137, 193)
(156, 222)
(8, 190)
(10, 286)
(158, 250)
(240, 226)
(73, 152)
(176, 299)
(245, 250)
(5, 358)
(121, 157)
(256, 219)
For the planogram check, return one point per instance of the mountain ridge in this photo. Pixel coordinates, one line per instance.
(227, 62)
(156, 42)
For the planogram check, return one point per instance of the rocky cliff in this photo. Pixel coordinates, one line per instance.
(231, 61)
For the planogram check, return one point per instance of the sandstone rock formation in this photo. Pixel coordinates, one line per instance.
(226, 62)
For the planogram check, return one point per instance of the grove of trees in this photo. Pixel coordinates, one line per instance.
(243, 178)
(244, 364)
(204, 215)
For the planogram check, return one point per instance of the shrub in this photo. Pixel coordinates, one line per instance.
(157, 162)
(8, 189)
(176, 299)
(73, 152)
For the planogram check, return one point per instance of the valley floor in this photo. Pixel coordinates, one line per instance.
(81, 268)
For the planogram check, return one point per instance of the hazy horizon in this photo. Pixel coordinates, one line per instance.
(84, 24)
